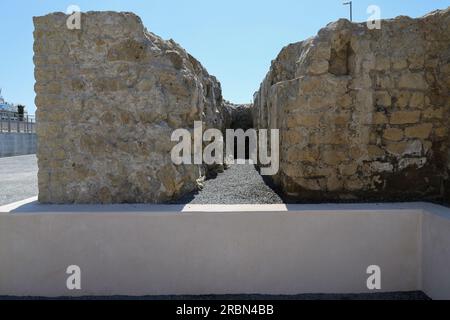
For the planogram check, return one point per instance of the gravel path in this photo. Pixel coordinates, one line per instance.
(240, 184)
(18, 178)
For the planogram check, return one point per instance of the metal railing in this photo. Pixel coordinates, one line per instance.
(17, 123)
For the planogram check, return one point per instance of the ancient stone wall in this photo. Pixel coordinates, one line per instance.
(363, 114)
(108, 98)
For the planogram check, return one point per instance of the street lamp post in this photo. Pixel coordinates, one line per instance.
(350, 3)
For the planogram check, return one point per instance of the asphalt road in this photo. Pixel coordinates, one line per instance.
(18, 178)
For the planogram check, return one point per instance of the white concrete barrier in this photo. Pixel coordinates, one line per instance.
(175, 250)
(17, 144)
(436, 252)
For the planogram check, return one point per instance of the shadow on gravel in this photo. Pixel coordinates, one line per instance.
(244, 184)
(239, 184)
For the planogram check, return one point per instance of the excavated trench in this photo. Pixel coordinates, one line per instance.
(361, 114)
(239, 183)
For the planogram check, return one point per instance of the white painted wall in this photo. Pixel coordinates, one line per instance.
(171, 250)
(436, 252)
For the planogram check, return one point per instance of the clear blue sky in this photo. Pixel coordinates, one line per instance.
(234, 39)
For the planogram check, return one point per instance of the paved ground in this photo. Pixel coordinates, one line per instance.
(240, 184)
(18, 178)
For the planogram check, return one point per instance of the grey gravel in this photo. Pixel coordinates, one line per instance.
(240, 184)
(18, 178)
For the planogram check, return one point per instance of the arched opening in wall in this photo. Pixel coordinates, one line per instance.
(342, 60)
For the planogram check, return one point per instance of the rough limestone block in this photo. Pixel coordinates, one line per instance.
(108, 97)
(370, 106)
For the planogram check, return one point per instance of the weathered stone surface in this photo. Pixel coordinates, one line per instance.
(393, 134)
(405, 117)
(422, 131)
(367, 110)
(108, 98)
